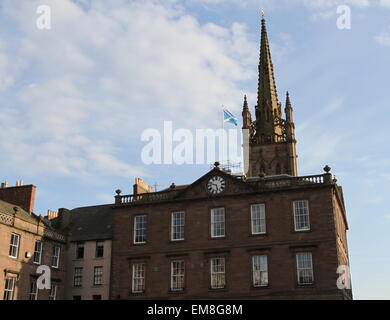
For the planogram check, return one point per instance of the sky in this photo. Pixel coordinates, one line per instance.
(75, 99)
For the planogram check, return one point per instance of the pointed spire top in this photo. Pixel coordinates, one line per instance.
(262, 14)
(267, 93)
(245, 103)
(288, 101)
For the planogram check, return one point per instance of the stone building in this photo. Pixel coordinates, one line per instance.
(269, 234)
(88, 258)
(26, 242)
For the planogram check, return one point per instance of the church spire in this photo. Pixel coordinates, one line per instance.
(272, 144)
(267, 99)
(246, 115)
(267, 87)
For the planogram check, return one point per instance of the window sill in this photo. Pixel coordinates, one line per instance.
(177, 291)
(302, 231)
(255, 235)
(217, 238)
(218, 289)
(140, 294)
(303, 286)
(260, 287)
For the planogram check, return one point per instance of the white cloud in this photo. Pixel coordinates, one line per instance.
(9, 67)
(103, 73)
(311, 4)
(385, 3)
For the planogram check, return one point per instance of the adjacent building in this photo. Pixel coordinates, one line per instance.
(88, 257)
(28, 241)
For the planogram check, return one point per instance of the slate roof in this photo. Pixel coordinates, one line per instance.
(91, 223)
(8, 208)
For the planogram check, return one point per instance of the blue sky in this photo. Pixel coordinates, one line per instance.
(75, 99)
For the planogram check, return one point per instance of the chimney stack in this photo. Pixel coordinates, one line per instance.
(141, 187)
(20, 195)
(51, 214)
(19, 183)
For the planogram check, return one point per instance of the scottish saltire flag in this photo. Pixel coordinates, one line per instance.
(228, 117)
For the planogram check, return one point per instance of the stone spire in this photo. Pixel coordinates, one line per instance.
(290, 126)
(267, 100)
(246, 115)
(288, 110)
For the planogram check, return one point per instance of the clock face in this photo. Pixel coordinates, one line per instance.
(216, 185)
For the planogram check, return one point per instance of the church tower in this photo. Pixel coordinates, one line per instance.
(272, 144)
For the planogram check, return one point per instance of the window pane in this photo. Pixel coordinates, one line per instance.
(56, 256)
(260, 271)
(305, 268)
(9, 286)
(301, 215)
(177, 223)
(53, 292)
(14, 245)
(140, 229)
(78, 277)
(99, 249)
(80, 250)
(177, 275)
(138, 278)
(33, 290)
(218, 222)
(98, 276)
(37, 252)
(217, 273)
(258, 218)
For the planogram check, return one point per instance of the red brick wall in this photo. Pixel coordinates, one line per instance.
(23, 196)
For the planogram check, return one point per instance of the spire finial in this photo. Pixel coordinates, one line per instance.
(245, 108)
(262, 13)
(288, 101)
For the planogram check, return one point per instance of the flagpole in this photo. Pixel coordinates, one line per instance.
(223, 134)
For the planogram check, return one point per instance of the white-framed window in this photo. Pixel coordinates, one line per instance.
(78, 277)
(301, 215)
(53, 292)
(177, 226)
(55, 262)
(140, 224)
(14, 245)
(258, 219)
(138, 281)
(260, 271)
(218, 222)
(9, 288)
(98, 276)
(217, 271)
(177, 275)
(37, 252)
(33, 290)
(305, 268)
